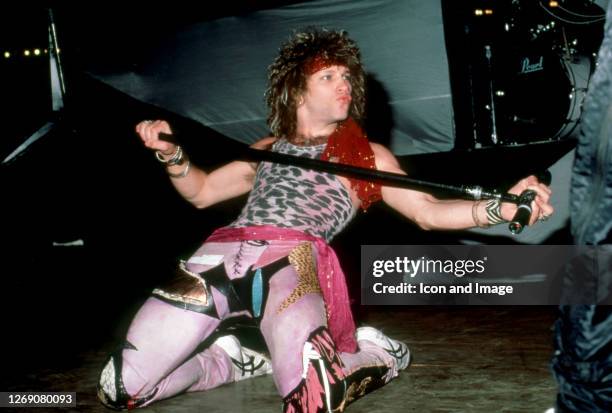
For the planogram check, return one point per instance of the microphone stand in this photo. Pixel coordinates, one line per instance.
(491, 108)
(468, 192)
(58, 91)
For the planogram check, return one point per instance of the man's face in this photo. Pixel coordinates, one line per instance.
(328, 94)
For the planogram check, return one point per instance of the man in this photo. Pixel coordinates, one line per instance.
(582, 362)
(273, 263)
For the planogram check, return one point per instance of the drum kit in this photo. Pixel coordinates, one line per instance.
(542, 66)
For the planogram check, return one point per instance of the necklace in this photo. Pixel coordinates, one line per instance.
(301, 140)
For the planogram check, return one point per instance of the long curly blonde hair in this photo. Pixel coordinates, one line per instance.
(287, 75)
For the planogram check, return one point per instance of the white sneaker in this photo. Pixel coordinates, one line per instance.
(395, 348)
(247, 363)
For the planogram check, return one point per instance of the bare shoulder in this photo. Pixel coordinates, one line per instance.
(264, 143)
(385, 160)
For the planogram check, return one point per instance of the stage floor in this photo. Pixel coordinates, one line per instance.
(464, 360)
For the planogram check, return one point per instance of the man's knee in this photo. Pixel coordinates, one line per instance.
(322, 381)
(111, 387)
(324, 385)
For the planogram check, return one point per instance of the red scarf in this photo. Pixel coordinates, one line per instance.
(348, 144)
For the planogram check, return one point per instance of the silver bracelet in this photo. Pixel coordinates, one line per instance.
(175, 159)
(183, 173)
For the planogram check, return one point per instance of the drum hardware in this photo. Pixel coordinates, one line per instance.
(491, 105)
(539, 96)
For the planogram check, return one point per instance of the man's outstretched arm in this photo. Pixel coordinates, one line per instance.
(431, 213)
(200, 188)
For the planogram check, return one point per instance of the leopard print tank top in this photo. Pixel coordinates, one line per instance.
(292, 197)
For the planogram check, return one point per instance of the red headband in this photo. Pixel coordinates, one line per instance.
(319, 63)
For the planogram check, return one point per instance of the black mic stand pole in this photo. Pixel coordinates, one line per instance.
(469, 192)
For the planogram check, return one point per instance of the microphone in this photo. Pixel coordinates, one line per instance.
(521, 217)
(523, 212)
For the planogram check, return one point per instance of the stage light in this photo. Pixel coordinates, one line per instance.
(478, 12)
(37, 52)
(26, 52)
(7, 54)
(488, 12)
(500, 93)
(553, 3)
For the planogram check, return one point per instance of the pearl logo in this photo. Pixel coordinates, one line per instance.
(528, 67)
